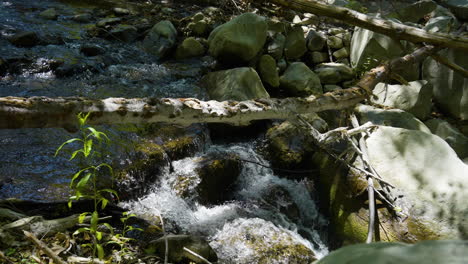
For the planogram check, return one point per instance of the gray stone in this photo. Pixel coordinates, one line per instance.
(124, 33)
(315, 40)
(316, 57)
(450, 89)
(267, 70)
(341, 53)
(177, 254)
(25, 39)
(50, 14)
(299, 80)
(234, 84)
(121, 11)
(276, 46)
(190, 47)
(427, 172)
(82, 18)
(414, 98)
(335, 42)
(394, 118)
(295, 45)
(428, 252)
(108, 21)
(240, 39)
(451, 135)
(332, 73)
(458, 7)
(414, 12)
(161, 39)
(443, 24)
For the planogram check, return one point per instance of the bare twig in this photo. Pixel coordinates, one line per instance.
(197, 255)
(42, 246)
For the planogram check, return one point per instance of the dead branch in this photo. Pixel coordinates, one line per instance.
(383, 26)
(42, 246)
(455, 67)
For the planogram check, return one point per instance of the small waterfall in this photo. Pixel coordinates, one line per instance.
(269, 206)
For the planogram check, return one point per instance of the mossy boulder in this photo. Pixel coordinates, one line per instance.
(160, 39)
(299, 80)
(295, 44)
(268, 72)
(190, 47)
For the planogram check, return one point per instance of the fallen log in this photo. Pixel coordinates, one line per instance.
(41, 112)
(379, 25)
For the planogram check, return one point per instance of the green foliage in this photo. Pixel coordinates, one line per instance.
(356, 6)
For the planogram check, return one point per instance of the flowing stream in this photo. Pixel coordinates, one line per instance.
(262, 204)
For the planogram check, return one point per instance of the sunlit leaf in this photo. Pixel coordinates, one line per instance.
(94, 220)
(100, 251)
(98, 235)
(84, 180)
(82, 217)
(65, 143)
(104, 202)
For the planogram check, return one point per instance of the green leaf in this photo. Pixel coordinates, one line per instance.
(84, 180)
(69, 203)
(107, 166)
(98, 235)
(65, 143)
(111, 229)
(109, 191)
(104, 202)
(82, 118)
(76, 175)
(82, 217)
(87, 147)
(73, 155)
(81, 230)
(94, 220)
(100, 251)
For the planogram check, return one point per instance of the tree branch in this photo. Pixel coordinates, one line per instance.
(386, 27)
(455, 67)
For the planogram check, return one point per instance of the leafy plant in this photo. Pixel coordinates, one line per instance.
(121, 239)
(84, 182)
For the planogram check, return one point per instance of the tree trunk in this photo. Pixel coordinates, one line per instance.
(386, 27)
(40, 112)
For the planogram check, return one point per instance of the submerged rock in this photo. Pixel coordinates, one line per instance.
(240, 39)
(124, 33)
(50, 14)
(161, 39)
(25, 39)
(235, 84)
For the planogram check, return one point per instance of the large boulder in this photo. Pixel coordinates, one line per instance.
(391, 117)
(414, 98)
(332, 72)
(369, 49)
(246, 241)
(161, 39)
(268, 71)
(428, 252)
(451, 135)
(240, 39)
(450, 88)
(234, 84)
(295, 45)
(299, 80)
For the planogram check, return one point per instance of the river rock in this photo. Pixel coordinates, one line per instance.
(177, 254)
(108, 21)
(50, 14)
(316, 57)
(124, 33)
(268, 71)
(451, 135)
(333, 73)
(190, 47)
(450, 89)
(25, 39)
(246, 241)
(429, 252)
(295, 45)
(121, 11)
(369, 49)
(234, 84)
(335, 42)
(315, 40)
(161, 39)
(92, 50)
(299, 80)
(82, 18)
(240, 39)
(414, 12)
(341, 53)
(392, 117)
(276, 46)
(414, 98)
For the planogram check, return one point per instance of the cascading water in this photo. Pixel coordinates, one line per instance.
(256, 208)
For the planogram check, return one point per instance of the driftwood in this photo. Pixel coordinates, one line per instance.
(383, 26)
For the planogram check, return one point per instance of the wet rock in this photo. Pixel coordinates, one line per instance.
(235, 84)
(341, 53)
(108, 21)
(190, 47)
(177, 254)
(414, 98)
(25, 39)
(217, 178)
(458, 7)
(125, 33)
(255, 240)
(299, 80)
(295, 45)
(450, 89)
(333, 73)
(121, 11)
(414, 12)
(315, 40)
(238, 40)
(393, 118)
(276, 46)
(161, 39)
(268, 71)
(92, 50)
(82, 18)
(316, 57)
(335, 42)
(430, 252)
(451, 135)
(199, 28)
(50, 14)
